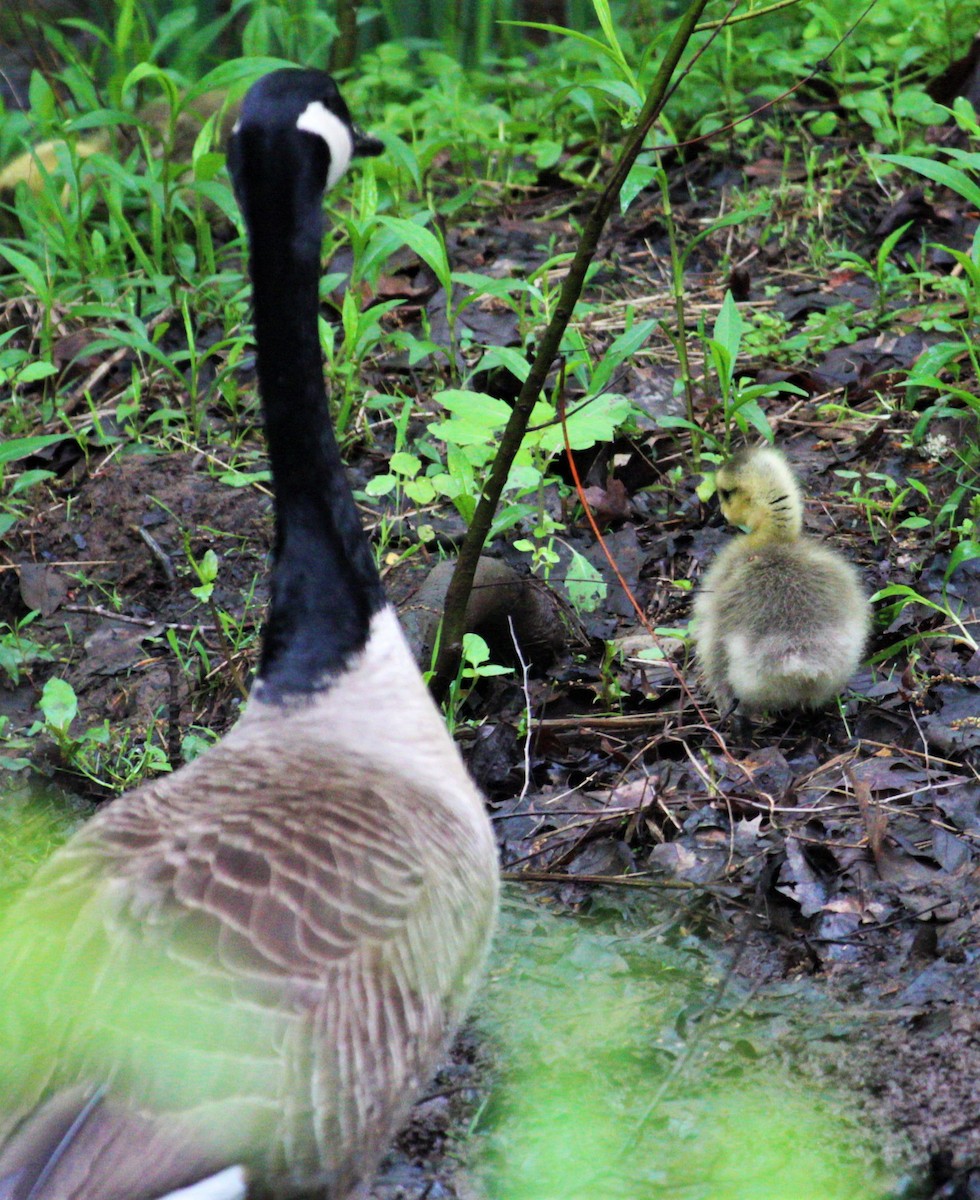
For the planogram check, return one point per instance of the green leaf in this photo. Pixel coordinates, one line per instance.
(475, 649)
(561, 31)
(145, 70)
(18, 448)
(507, 357)
(420, 491)
(620, 90)
(207, 568)
(749, 413)
(425, 244)
(729, 326)
(593, 420)
(446, 485)
(723, 364)
(28, 479)
(27, 268)
(405, 464)
(236, 478)
(733, 218)
(604, 14)
(585, 586)
(824, 124)
(623, 347)
(43, 105)
(918, 106)
(888, 245)
(484, 285)
(381, 485)
(964, 551)
(475, 417)
(59, 705)
(641, 175)
(36, 370)
(956, 180)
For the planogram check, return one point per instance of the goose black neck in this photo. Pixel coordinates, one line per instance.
(325, 587)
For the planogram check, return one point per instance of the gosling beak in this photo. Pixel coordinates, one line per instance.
(366, 146)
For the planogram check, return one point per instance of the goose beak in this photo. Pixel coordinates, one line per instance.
(366, 146)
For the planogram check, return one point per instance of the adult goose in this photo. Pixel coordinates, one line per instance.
(235, 980)
(781, 620)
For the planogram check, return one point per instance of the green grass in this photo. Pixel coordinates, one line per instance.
(137, 249)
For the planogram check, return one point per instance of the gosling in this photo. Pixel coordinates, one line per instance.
(780, 621)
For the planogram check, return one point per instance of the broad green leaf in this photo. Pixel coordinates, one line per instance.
(381, 485)
(918, 106)
(475, 417)
(405, 464)
(446, 485)
(207, 568)
(59, 704)
(589, 421)
(420, 491)
(506, 356)
(824, 124)
(475, 649)
(36, 370)
(585, 586)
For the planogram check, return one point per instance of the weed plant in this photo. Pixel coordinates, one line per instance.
(136, 242)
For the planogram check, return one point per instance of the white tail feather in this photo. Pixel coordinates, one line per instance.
(229, 1184)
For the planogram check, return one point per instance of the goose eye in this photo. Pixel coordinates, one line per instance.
(724, 495)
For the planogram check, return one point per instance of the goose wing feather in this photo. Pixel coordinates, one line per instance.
(201, 951)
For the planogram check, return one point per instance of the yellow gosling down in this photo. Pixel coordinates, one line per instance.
(781, 621)
(235, 980)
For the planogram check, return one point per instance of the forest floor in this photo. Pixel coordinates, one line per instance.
(841, 849)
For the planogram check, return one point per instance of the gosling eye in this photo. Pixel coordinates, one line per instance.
(725, 494)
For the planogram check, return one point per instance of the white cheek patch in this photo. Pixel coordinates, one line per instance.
(317, 118)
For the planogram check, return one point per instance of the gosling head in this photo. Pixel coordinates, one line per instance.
(758, 490)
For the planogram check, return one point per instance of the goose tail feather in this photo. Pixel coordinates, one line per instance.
(78, 1147)
(229, 1184)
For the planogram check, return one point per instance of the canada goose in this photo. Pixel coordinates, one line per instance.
(306, 908)
(780, 620)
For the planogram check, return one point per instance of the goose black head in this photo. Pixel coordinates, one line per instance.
(294, 140)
